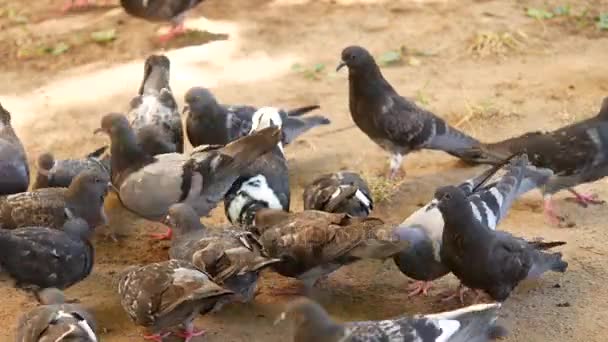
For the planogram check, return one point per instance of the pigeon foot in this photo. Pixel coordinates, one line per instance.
(459, 293)
(584, 200)
(156, 337)
(419, 288)
(163, 236)
(172, 33)
(552, 215)
(190, 332)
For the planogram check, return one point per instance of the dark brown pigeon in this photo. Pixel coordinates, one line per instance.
(14, 170)
(52, 207)
(163, 295)
(154, 114)
(149, 185)
(233, 257)
(340, 192)
(41, 257)
(476, 323)
(211, 123)
(485, 259)
(56, 321)
(312, 244)
(394, 122)
(577, 154)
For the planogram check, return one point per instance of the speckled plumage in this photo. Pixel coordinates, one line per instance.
(340, 192)
(60, 173)
(233, 257)
(149, 185)
(211, 123)
(165, 294)
(42, 257)
(313, 243)
(14, 169)
(51, 207)
(154, 114)
(55, 321)
(475, 323)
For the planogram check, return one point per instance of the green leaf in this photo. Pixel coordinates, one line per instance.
(390, 58)
(57, 49)
(539, 14)
(104, 36)
(602, 23)
(318, 67)
(562, 10)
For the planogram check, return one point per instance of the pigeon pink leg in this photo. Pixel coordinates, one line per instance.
(156, 337)
(585, 199)
(550, 211)
(163, 236)
(173, 32)
(419, 288)
(459, 293)
(395, 168)
(190, 332)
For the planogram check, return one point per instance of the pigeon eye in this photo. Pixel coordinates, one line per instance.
(447, 196)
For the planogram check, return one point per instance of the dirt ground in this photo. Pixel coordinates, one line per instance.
(485, 66)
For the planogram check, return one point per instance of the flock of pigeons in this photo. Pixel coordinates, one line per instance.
(238, 158)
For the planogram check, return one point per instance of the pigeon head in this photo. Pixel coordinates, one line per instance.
(113, 123)
(267, 117)
(200, 100)
(50, 296)
(77, 227)
(46, 161)
(452, 199)
(156, 73)
(356, 58)
(183, 219)
(86, 194)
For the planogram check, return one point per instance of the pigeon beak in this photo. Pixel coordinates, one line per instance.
(281, 318)
(340, 66)
(186, 109)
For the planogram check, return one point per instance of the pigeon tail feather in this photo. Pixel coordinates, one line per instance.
(477, 323)
(302, 110)
(544, 262)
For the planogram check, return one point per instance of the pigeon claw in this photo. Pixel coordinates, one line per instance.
(172, 33)
(459, 293)
(163, 236)
(552, 215)
(156, 337)
(584, 200)
(189, 333)
(419, 288)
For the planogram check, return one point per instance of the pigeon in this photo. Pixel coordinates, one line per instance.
(576, 153)
(312, 244)
(173, 11)
(231, 256)
(490, 204)
(41, 257)
(485, 259)
(51, 207)
(394, 122)
(265, 182)
(163, 295)
(340, 192)
(476, 323)
(149, 185)
(59, 173)
(14, 170)
(56, 321)
(211, 123)
(154, 115)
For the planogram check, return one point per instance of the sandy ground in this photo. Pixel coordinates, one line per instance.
(527, 74)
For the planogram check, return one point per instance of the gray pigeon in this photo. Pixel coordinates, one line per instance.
(14, 170)
(265, 182)
(173, 11)
(340, 192)
(476, 323)
(41, 257)
(154, 115)
(59, 173)
(211, 123)
(486, 259)
(489, 203)
(55, 321)
(149, 185)
(232, 257)
(577, 154)
(312, 244)
(395, 123)
(163, 295)
(51, 207)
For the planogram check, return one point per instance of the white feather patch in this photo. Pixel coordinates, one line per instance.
(492, 219)
(258, 189)
(499, 197)
(476, 212)
(448, 328)
(185, 275)
(266, 117)
(362, 198)
(84, 325)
